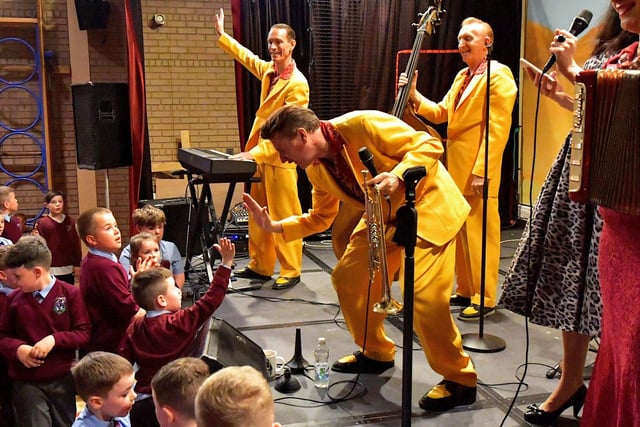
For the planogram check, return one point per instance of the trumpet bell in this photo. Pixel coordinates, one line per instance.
(387, 307)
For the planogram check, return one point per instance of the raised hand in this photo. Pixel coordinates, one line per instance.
(563, 46)
(227, 250)
(219, 22)
(260, 215)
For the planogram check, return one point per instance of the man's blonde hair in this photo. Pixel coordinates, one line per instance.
(235, 396)
(487, 27)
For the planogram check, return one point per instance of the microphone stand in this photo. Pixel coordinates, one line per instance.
(406, 235)
(481, 342)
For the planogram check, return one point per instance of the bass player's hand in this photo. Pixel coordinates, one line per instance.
(413, 93)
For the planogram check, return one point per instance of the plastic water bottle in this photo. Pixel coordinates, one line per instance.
(321, 354)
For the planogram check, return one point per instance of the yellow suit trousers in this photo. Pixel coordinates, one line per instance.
(277, 191)
(469, 252)
(439, 336)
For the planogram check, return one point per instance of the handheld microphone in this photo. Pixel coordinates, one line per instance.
(578, 25)
(366, 157)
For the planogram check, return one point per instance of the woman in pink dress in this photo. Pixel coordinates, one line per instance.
(612, 399)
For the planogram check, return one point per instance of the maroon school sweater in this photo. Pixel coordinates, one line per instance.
(104, 284)
(62, 239)
(152, 342)
(25, 321)
(12, 229)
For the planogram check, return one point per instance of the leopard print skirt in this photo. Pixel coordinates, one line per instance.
(553, 278)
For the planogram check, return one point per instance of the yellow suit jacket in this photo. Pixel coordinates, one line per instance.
(292, 91)
(395, 147)
(466, 127)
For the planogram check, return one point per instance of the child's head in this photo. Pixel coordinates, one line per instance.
(233, 397)
(105, 382)
(28, 263)
(1, 224)
(174, 389)
(54, 202)
(4, 277)
(98, 229)
(150, 219)
(144, 245)
(155, 289)
(8, 201)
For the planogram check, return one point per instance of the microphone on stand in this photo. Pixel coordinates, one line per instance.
(578, 25)
(366, 157)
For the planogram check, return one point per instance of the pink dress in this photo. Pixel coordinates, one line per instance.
(613, 396)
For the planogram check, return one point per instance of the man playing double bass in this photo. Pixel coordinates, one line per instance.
(463, 107)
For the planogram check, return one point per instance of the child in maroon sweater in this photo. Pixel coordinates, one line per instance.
(103, 281)
(59, 230)
(167, 332)
(6, 287)
(44, 323)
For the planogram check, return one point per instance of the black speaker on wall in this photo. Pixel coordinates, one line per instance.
(180, 218)
(92, 14)
(102, 123)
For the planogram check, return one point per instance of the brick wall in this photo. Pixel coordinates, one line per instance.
(189, 82)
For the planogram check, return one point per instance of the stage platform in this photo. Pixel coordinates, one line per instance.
(270, 318)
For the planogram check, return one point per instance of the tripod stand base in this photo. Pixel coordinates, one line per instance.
(297, 364)
(483, 344)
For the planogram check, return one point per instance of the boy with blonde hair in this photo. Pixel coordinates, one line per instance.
(104, 282)
(236, 396)
(105, 382)
(151, 219)
(167, 332)
(178, 409)
(9, 206)
(45, 321)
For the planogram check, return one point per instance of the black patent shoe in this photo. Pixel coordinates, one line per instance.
(358, 363)
(459, 301)
(247, 273)
(285, 283)
(535, 415)
(447, 395)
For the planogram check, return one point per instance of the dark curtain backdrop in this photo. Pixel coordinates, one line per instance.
(348, 48)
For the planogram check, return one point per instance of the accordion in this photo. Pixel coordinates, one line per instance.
(604, 166)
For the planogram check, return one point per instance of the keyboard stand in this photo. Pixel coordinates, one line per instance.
(207, 233)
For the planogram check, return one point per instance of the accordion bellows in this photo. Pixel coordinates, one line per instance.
(605, 147)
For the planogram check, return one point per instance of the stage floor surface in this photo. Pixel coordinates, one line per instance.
(270, 318)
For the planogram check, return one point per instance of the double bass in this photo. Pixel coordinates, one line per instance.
(428, 23)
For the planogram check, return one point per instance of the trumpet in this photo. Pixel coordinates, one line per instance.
(378, 249)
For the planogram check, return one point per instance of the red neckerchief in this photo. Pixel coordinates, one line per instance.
(480, 69)
(285, 75)
(337, 165)
(623, 58)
